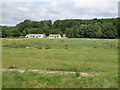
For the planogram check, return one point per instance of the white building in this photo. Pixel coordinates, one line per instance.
(64, 36)
(35, 36)
(54, 36)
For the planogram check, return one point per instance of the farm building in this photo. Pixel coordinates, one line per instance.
(35, 36)
(54, 36)
(64, 36)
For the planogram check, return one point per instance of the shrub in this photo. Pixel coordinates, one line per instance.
(12, 67)
(38, 47)
(62, 40)
(66, 46)
(77, 74)
(47, 47)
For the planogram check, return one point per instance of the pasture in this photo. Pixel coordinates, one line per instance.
(97, 57)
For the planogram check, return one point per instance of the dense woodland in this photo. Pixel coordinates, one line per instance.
(73, 28)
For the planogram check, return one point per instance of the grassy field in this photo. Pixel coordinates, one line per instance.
(96, 56)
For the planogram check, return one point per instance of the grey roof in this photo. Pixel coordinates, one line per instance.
(54, 35)
(35, 34)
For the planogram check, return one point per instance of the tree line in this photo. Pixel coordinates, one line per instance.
(73, 28)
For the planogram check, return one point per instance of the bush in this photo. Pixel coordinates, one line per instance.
(77, 74)
(66, 46)
(47, 47)
(38, 47)
(12, 67)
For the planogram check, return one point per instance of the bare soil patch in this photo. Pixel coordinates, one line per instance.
(45, 71)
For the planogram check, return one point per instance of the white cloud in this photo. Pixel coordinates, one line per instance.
(24, 9)
(15, 11)
(18, 0)
(101, 8)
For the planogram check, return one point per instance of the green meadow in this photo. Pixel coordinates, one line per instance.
(98, 57)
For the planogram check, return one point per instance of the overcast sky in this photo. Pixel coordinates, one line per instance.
(15, 11)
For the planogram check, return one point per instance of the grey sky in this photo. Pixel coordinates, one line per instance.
(15, 11)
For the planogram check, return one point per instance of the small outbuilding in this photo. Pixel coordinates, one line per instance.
(64, 36)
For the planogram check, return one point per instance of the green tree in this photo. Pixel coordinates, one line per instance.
(7, 31)
(15, 32)
(108, 30)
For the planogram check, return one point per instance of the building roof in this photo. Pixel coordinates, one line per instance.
(35, 34)
(54, 35)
